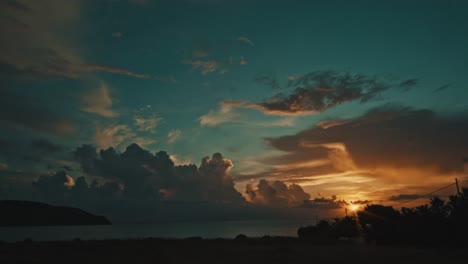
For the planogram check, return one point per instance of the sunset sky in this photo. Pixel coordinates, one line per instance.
(311, 104)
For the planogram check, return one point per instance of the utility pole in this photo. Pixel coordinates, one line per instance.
(458, 188)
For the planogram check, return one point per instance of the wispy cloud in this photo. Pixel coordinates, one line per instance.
(77, 69)
(32, 41)
(3, 166)
(246, 40)
(173, 136)
(117, 34)
(242, 61)
(99, 102)
(442, 88)
(205, 67)
(225, 113)
(147, 124)
(112, 136)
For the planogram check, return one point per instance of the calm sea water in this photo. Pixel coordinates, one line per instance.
(227, 229)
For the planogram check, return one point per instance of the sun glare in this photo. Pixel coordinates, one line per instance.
(354, 207)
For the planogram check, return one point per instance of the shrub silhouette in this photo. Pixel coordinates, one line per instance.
(437, 223)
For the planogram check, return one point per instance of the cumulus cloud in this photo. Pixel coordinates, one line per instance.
(113, 135)
(142, 173)
(224, 114)
(147, 124)
(276, 193)
(54, 186)
(246, 40)
(173, 135)
(99, 102)
(318, 91)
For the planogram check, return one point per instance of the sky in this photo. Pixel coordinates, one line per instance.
(242, 108)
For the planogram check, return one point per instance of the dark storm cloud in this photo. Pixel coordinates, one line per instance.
(276, 193)
(24, 111)
(325, 203)
(321, 90)
(403, 197)
(45, 146)
(155, 175)
(392, 136)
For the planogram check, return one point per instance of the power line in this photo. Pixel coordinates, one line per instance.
(425, 195)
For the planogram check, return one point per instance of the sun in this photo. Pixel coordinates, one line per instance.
(354, 207)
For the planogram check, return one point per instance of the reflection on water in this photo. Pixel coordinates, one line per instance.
(227, 229)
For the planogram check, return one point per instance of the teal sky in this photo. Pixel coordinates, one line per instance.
(193, 77)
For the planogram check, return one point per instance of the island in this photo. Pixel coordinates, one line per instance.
(27, 213)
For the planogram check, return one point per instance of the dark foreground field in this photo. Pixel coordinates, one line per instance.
(273, 250)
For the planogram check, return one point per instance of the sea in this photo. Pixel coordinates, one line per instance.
(170, 230)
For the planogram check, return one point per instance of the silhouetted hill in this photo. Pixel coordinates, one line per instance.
(27, 213)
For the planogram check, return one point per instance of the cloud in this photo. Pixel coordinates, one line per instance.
(224, 114)
(205, 67)
(442, 88)
(173, 136)
(404, 197)
(242, 61)
(391, 136)
(276, 193)
(43, 145)
(246, 40)
(76, 69)
(325, 203)
(53, 187)
(147, 124)
(269, 81)
(201, 52)
(99, 102)
(321, 90)
(35, 40)
(16, 109)
(144, 141)
(3, 166)
(326, 124)
(117, 34)
(283, 122)
(408, 84)
(114, 135)
(360, 202)
(143, 174)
